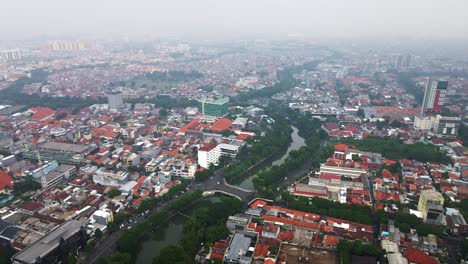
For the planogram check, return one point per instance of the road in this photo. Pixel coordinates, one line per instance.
(217, 183)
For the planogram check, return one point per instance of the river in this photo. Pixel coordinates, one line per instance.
(169, 234)
(296, 143)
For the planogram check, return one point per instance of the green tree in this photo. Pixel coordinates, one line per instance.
(173, 255)
(5, 254)
(113, 193)
(355, 157)
(163, 113)
(98, 233)
(61, 116)
(360, 113)
(117, 258)
(28, 184)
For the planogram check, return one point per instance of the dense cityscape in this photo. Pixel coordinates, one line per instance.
(252, 150)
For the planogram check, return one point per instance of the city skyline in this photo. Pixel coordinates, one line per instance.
(417, 20)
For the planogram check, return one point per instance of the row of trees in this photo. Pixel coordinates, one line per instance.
(207, 225)
(395, 149)
(406, 221)
(317, 205)
(274, 143)
(348, 248)
(267, 181)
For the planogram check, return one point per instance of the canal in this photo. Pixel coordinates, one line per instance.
(296, 143)
(169, 234)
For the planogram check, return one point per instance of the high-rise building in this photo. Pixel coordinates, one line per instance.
(434, 96)
(402, 61)
(10, 54)
(407, 61)
(115, 100)
(213, 107)
(71, 45)
(399, 62)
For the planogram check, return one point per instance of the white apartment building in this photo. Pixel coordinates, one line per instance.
(211, 152)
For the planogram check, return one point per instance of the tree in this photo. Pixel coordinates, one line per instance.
(117, 258)
(61, 116)
(26, 185)
(113, 193)
(215, 233)
(98, 233)
(163, 113)
(5, 254)
(173, 255)
(227, 133)
(360, 113)
(355, 157)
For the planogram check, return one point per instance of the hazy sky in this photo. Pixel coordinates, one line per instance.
(336, 18)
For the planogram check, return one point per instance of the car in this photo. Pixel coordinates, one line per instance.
(211, 177)
(217, 182)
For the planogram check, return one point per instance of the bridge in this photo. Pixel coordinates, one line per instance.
(217, 184)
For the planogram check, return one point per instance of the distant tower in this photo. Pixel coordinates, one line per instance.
(399, 62)
(43, 177)
(407, 61)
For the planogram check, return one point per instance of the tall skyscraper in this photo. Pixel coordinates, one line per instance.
(434, 96)
(407, 61)
(115, 100)
(399, 62)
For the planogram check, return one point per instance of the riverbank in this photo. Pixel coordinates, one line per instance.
(296, 143)
(185, 235)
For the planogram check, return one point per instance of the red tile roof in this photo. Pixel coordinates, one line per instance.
(5, 181)
(417, 256)
(261, 250)
(41, 113)
(258, 203)
(341, 147)
(30, 206)
(190, 124)
(221, 124)
(243, 137)
(330, 240)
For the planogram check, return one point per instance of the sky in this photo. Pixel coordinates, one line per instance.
(436, 19)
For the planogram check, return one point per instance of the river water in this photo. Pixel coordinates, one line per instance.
(168, 234)
(296, 143)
